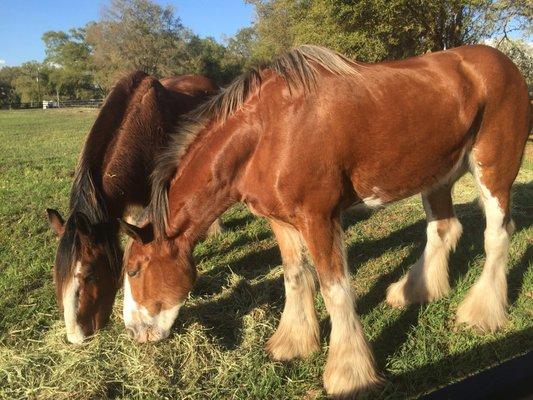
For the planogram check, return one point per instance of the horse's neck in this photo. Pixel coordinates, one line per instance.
(204, 185)
(129, 161)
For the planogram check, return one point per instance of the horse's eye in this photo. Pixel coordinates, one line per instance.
(91, 278)
(134, 271)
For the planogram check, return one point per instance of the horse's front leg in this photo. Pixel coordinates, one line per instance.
(350, 366)
(297, 334)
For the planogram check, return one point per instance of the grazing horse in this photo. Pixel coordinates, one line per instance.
(111, 177)
(312, 135)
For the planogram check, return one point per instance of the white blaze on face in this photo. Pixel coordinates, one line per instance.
(130, 306)
(144, 325)
(70, 308)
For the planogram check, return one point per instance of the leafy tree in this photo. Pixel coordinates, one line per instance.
(8, 95)
(240, 45)
(371, 30)
(509, 16)
(522, 55)
(276, 21)
(136, 34)
(212, 59)
(140, 34)
(30, 84)
(69, 58)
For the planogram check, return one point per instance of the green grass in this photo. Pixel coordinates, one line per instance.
(216, 350)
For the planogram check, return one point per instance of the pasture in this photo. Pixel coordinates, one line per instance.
(216, 349)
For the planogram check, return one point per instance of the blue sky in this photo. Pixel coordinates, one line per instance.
(22, 22)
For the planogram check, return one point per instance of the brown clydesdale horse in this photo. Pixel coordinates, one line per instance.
(312, 135)
(111, 177)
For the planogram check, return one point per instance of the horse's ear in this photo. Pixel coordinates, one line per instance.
(144, 234)
(83, 225)
(56, 221)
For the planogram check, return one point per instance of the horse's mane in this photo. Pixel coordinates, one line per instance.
(85, 194)
(298, 67)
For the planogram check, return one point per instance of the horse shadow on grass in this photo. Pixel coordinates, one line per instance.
(252, 264)
(223, 317)
(453, 367)
(483, 356)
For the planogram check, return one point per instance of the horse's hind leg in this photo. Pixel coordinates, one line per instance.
(428, 277)
(297, 334)
(486, 303)
(494, 161)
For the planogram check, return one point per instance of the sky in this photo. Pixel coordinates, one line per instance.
(22, 22)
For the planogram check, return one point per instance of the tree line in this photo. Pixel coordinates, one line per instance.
(84, 62)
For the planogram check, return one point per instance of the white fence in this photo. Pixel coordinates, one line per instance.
(93, 103)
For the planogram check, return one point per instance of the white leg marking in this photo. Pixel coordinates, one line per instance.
(350, 365)
(297, 334)
(486, 303)
(427, 279)
(70, 308)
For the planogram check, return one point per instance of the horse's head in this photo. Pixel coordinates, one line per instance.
(158, 277)
(86, 273)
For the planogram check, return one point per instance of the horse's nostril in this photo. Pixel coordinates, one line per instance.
(131, 332)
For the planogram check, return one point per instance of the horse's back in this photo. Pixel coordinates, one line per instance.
(397, 129)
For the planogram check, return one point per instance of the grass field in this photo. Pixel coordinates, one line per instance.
(216, 350)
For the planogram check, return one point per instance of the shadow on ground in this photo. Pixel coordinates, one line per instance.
(224, 316)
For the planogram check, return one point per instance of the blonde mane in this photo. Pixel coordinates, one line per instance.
(298, 67)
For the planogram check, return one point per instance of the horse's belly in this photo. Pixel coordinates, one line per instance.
(386, 182)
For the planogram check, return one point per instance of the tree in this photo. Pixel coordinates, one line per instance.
(30, 84)
(371, 30)
(240, 45)
(210, 58)
(505, 17)
(276, 21)
(136, 34)
(69, 58)
(8, 95)
(522, 55)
